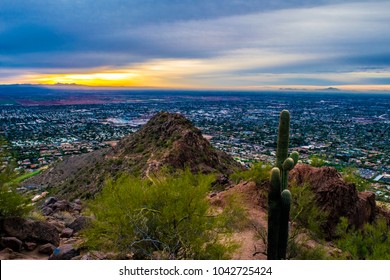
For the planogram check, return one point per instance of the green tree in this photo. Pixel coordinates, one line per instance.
(12, 204)
(168, 218)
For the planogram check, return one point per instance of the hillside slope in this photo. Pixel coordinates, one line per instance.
(167, 142)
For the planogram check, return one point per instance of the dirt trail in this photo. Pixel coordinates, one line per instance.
(251, 245)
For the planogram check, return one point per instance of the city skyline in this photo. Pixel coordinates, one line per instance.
(213, 44)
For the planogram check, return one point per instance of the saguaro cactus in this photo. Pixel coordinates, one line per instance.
(279, 197)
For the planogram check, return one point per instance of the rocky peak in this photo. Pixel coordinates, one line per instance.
(167, 141)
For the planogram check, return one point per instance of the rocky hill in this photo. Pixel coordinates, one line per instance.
(335, 197)
(168, 141)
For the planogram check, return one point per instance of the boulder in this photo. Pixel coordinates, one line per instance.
(79, 223)
(33, 231)
(12, 243)
(30, 246)
(47, 211)
(336, 197)
(66, 233)
(61, 205)
(49, 201)
(59, 225)
(366, 208)
(75, 207)
(64, 252)
(9, 254)
(46, 249)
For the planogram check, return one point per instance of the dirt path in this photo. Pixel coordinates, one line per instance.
(251, 245)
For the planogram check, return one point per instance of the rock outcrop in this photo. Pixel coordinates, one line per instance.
(31, 231)
(336, 197)
(24, 238)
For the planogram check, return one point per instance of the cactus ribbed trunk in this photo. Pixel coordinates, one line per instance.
(274, 213)
(279, 197)
(283, 138)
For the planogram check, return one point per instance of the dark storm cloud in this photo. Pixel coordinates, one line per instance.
(133, 27)
(250, 37)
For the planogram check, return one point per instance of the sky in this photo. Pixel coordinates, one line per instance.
(199, 44)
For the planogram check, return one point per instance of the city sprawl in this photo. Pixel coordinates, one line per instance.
(342, 129)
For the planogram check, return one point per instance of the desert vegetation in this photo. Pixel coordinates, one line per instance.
(12, 204)
(168, 217)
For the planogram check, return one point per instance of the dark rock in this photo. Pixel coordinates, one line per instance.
(30, 246)
(75, 207)
(64, 252)
(9, 254)
(66, 233)
(61, 205)
(47, 211)
(78, 201)
(12, 243)
(366, 208)
(49, 201)
(336, 197)
(221, 181)
(59, 225)
(34, 231)
(46, 249)
(213, 194)
(80, 223)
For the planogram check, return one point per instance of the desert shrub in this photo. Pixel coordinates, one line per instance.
(317, 161)
(12, 204)
(258, 173)
(370, 243)
(350, 175)
(234, 215)
(305, 212)
(299, 251)
(167, 217)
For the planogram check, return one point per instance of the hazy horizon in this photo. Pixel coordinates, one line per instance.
(213, 45)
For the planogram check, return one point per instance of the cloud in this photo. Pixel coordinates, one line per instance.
(244, 41)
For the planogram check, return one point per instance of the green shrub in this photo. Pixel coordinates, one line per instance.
(317, 161)
(370, 243)
(305, 212)
(350, 175)
(168, 218)
(12, 204)
(258, 173)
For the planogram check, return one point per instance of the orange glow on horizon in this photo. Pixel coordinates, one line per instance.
(215, 74)
(92, 79)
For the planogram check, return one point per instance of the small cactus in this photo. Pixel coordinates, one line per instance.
(279, 197)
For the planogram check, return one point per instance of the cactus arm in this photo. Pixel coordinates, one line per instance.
(295, 155)
(288, 164)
